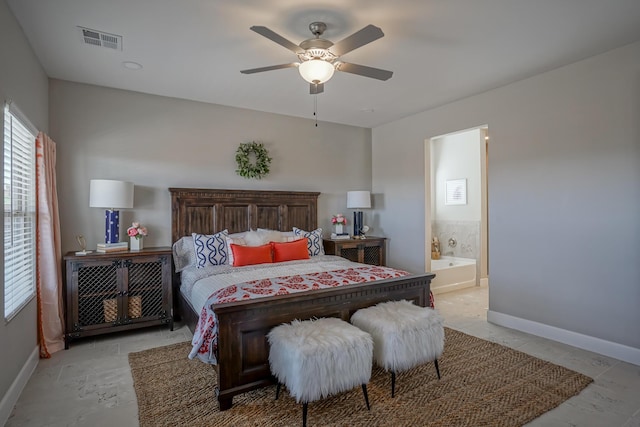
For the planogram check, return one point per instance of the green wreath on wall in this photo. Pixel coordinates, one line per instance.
(259, 168)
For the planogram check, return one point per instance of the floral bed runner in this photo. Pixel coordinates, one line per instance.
(206, 334)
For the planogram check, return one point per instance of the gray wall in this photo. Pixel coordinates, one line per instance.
(158, 142)
(564, 199)
(23, 80)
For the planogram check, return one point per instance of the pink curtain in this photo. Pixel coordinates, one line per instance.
(49, 253)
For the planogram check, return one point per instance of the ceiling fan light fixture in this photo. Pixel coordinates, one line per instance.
(316, 71)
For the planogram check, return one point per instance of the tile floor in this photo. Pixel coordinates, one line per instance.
(90, 384)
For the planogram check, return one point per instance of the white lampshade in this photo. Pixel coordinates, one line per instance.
(358, 199)
(316, 71)
(110, 194)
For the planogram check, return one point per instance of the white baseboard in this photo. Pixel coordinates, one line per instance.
(453, 287)
(484, 282)
(11, 397)
(585, 342)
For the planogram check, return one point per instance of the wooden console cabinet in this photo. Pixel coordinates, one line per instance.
(117, 291)
(366, 251)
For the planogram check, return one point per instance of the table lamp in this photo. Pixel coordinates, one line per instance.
(358, 200)
(111, 195)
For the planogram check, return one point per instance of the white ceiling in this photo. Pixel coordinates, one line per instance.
(439, 50)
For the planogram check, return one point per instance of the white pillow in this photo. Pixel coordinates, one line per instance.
(314, 240)
(270, 235)
(254, 238)
(288, 236)
(184, 253)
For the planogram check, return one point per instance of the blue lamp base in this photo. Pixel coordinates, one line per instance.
(112, 226)
(357, 223)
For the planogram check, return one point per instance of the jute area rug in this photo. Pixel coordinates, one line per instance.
(483, 384)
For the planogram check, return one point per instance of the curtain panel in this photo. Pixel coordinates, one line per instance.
(48, 252)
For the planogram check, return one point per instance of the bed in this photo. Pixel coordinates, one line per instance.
(242, 348)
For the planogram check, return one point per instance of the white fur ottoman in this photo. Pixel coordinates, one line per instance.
(404, 335)
(318, 358)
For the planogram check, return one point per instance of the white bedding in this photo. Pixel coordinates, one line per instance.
(198, 284)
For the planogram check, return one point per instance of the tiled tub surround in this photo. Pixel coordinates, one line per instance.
(467, 237)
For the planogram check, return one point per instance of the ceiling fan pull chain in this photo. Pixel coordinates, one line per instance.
(315, 108)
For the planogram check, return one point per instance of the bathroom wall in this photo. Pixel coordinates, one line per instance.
(457, 156)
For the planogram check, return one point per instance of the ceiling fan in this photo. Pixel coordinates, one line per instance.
(319, 58)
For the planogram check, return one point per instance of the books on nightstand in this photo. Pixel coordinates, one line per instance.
(344, 236)
(104, 248)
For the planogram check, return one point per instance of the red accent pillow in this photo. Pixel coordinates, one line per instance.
(249, 255)
(289, 251)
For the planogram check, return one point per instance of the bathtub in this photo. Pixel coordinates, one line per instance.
(452, 273)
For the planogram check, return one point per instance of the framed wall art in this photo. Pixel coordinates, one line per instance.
(456, 192)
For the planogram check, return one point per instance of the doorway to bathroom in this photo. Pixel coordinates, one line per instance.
(456, 209)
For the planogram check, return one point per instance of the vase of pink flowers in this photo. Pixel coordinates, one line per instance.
(136, 235)
(339, 221)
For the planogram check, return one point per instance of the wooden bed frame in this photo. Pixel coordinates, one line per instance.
(243, 349)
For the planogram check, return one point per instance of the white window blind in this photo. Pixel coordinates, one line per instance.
(19, 213)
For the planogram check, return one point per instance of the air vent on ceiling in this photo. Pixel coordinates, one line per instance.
(101, 39)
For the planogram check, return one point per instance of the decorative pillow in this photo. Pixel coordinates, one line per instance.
(270, 235)
(183, 253)
(238, 235)
(250, 255)
(233, 241)
(314, 244)
(210, 249)
(289, 236)
(290, 251)
(254, 238)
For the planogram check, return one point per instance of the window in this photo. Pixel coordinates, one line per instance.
(19, 212)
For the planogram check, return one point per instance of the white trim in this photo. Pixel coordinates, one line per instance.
(585, 342)
(453, 286)
(484, 282)
(11, 397)
(11, 106)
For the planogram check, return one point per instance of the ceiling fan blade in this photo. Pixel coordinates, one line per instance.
(315, 89)
(264, 31)
(356, 40)
(273, 67)
(363, 70)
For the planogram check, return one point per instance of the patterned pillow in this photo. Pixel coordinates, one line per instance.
(314, 243)
(211, 249)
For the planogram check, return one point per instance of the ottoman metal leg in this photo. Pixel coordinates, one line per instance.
(304, 414)
(437, 367)
(277, 391)
(393, 383)
(366, 396)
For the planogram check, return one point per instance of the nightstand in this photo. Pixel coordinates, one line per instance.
(117, 291)
(366, 251)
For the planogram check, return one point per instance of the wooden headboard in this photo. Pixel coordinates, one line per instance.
(206, 211)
